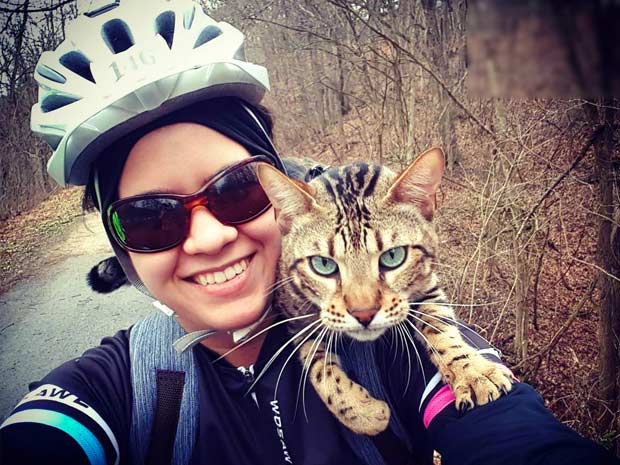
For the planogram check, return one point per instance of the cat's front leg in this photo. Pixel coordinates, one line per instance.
(349, 402)
(474, 379)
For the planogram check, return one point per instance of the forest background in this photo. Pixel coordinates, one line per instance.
(530, 214)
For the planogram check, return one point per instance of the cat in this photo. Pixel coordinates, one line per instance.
(358, 250)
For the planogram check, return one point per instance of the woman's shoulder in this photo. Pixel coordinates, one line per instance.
(105, 364)
(83, 403)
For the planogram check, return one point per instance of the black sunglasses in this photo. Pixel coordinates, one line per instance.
(157, 222)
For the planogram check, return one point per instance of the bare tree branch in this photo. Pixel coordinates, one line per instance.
(422, 65)
(595, 135)
(20, 8)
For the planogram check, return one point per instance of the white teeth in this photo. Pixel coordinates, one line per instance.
(222, 276)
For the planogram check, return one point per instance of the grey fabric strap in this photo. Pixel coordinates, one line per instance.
(151, 349)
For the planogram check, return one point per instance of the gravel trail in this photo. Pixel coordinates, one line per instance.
(55, 316)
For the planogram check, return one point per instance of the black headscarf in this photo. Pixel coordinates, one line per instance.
(225, 115)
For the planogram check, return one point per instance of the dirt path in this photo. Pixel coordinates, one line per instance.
(52, 315)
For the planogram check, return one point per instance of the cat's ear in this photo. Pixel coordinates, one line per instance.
(418, 183)
(289, 197)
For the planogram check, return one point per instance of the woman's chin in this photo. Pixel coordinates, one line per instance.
(228, 320)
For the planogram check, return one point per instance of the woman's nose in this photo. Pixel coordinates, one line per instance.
(206, 234)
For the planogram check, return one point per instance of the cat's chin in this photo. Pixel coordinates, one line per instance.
(366, 335)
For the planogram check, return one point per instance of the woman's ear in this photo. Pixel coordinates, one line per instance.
(418, 183)
(290, 198)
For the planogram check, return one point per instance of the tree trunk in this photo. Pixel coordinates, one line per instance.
(17, 53)
(608, 167)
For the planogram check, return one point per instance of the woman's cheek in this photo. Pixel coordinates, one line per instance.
(155, 269)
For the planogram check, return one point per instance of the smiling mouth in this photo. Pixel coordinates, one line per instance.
(222, 276)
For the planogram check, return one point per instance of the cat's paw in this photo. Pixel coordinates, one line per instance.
(362, 413)
(478, 381)
(350, 403)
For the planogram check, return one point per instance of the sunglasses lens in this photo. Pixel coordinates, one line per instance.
(238, 196)
(150, 224)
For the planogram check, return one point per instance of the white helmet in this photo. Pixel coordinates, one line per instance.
(124, 64)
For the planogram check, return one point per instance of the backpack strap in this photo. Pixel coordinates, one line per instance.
(165, 402)
(167, 411)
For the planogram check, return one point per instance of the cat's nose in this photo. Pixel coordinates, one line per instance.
(365, 316)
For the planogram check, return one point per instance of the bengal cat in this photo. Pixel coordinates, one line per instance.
(358, 249)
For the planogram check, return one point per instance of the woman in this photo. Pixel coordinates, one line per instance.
(159, 115)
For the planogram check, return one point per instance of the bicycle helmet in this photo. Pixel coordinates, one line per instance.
(126, 63)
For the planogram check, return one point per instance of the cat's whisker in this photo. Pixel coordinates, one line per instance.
(280, 281)
(279, 351)
(397, 339)
(327, 360)
(278, 323)
(446, 304)
(307, 365)
(275, 392)
(430, 346)
(415, 348)
(457, 323)
(412, 313)
(408, 362)
(328, 354)
(277, 285)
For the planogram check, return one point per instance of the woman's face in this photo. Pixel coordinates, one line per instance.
(180, 159)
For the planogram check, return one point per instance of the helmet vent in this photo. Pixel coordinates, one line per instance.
(164, 24)
(207, 34)
(240, 54)
(117, 36)
(78, 63)
(51, 74)
(56, 101)
(188, 17)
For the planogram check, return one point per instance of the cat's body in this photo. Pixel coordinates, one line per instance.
(361, 218)
(358, 253)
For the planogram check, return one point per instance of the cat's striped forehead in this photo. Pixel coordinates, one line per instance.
(357, 181)
(351, 193)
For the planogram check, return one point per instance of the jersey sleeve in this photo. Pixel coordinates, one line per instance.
(515, 429)
(416, 385)
(78, 414)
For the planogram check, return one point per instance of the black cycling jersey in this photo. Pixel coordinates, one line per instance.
(81, 412)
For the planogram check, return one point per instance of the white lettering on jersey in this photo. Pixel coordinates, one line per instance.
(277, 419)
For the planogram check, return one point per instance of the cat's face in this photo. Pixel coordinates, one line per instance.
(358, 242)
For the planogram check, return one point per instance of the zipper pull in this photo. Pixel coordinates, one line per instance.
(247, 373)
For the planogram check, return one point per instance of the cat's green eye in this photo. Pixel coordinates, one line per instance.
(393, 258)
(323, 265)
